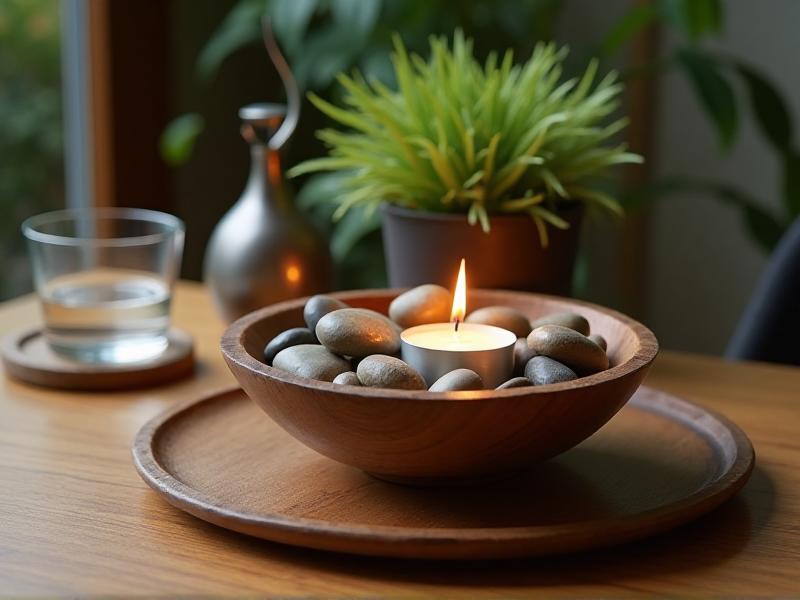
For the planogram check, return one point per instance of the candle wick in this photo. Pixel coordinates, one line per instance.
(457, 322)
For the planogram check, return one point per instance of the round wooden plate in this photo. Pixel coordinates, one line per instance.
(659, 463)
(26, 356)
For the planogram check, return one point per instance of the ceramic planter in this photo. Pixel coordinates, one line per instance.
(423, 247)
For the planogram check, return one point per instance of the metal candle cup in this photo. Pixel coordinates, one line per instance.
(436, 349)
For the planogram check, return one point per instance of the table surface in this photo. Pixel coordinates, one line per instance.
(75, 519)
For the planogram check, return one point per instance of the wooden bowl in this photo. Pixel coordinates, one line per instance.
(440, 438)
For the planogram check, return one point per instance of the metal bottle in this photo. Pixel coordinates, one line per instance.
(264, 250)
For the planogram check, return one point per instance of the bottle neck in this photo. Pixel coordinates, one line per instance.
(266, 175)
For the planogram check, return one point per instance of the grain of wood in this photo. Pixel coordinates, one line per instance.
(427, 437)
(660, 463)
(76, 520)
(28, 358)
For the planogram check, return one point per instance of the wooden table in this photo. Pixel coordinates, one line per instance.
(76, 520)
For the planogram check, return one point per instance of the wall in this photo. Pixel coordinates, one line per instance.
(702, 266)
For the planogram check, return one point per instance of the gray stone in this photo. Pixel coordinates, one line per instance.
(457, 381)
(421, 305)
(348, 378)
(382, 371)
(356, 360)
(502, 316)
(312, 361)
(599, 340)
(569, 347)
(522, 354)
(516, 382)
(542, 370)
(358, 332)
(285, 339)
(565, 319)
(317, 307)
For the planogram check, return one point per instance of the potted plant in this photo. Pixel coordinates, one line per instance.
(494, 162)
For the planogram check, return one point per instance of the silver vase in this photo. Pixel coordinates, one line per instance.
(264, 250)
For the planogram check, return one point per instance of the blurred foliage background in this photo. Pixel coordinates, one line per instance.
(324, 37)
(31, 160)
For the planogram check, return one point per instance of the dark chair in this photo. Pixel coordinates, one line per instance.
(769, 330)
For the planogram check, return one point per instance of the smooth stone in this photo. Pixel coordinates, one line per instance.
(569, 347)
(286, 339)
(501, 316)
(516, 382)
(349, 378)
(356, 360)
(572, 320)
(599, 340)
(421, 305)
(358, 332)
(382, 371)
(317, 307)
(542, 370)
(458, 381)
(312, 361)
(522, 354)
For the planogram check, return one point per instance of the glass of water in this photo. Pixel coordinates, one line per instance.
(105, 279)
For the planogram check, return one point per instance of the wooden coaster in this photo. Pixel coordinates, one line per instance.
(26, 356)
(659, 463)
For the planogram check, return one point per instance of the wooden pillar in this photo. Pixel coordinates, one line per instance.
(129, 70)
(640, 105)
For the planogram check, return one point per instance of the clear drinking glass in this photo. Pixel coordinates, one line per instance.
(105, 278)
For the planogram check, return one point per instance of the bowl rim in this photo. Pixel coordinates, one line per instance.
(233, 350)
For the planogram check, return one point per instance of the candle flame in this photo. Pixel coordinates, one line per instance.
(460, 296)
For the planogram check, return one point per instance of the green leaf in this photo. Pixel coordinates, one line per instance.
(791, 184)
(178, 139)
(290, 19)
(483, 217)
(714, 91)
(763, 227)
(326, 52)
(694, 17)
(637, 18)
(351, 228)
(771, 112)
(518, 204)
(241, 27)
(376, 64)
(602, 199)
(549, 216)
(320, 190)
(356, 16)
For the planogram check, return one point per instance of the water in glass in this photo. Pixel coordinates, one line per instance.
(107, 315)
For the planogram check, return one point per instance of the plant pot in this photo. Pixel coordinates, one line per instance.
(424, 247)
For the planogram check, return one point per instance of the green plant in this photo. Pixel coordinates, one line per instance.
(31, 171)
(711, 76)
(458, 136)
(320, 39)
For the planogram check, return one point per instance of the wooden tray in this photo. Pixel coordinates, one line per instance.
(26, 356)
(659, 463)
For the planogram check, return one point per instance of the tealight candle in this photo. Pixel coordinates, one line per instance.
(439, 348)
